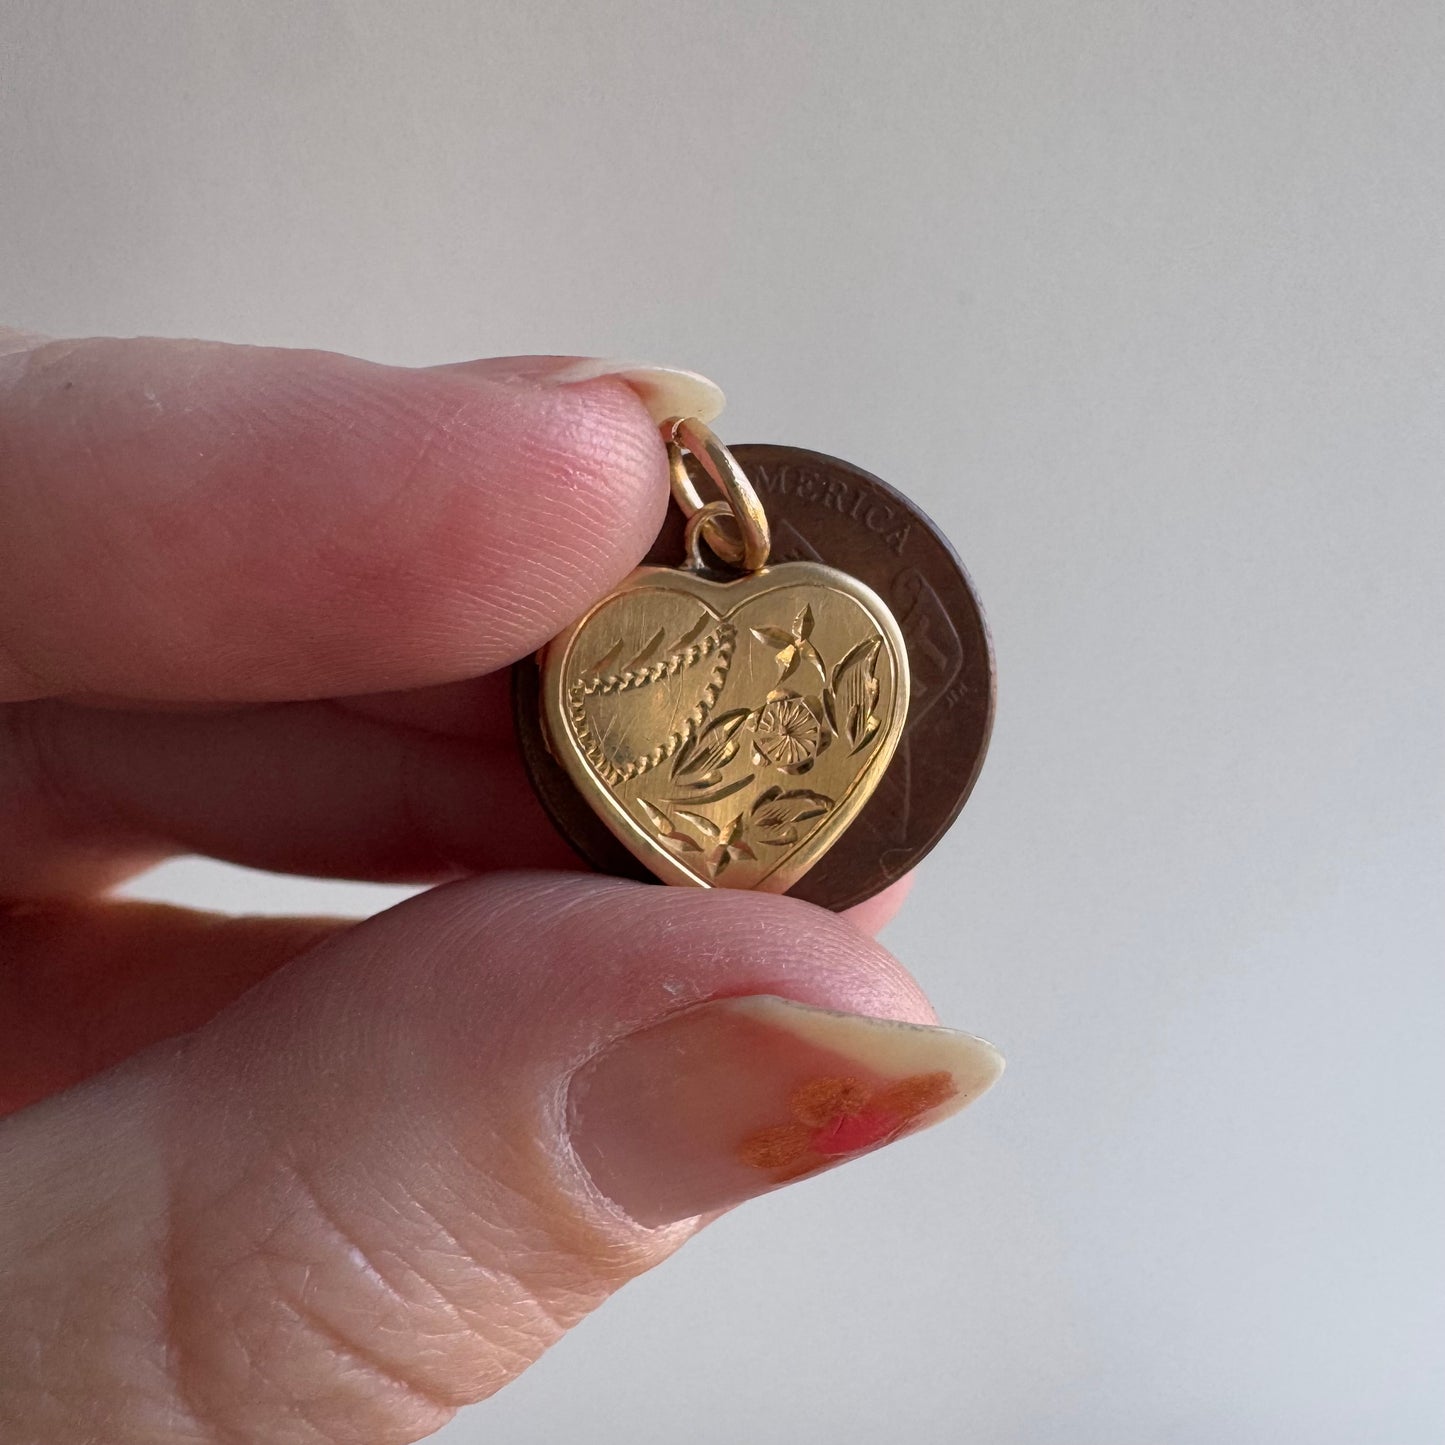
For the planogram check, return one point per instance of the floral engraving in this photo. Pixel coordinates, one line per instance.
(678, 841)
(793, 646)
(706, 756)
(721, 845)
(776, 814)
(852, 699)
(713, 750)
(731, 845)
(787, 733)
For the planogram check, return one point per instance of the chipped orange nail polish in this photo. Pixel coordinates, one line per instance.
(736, 1097)
(833, 1118)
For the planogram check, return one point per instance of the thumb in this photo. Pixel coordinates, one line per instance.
(384, 1181)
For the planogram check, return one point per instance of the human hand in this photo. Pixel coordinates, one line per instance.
(303, 1180)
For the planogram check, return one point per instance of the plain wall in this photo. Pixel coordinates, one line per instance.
(1143, 302)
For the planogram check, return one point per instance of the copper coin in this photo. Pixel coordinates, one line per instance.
(825, 510)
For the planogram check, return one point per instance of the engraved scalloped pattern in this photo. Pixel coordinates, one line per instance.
(720, 643)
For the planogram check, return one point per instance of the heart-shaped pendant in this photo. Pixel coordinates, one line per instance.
(727, 730)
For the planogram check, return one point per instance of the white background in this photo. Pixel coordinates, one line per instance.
(1144, 302)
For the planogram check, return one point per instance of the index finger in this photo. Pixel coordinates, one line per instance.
(184, 520)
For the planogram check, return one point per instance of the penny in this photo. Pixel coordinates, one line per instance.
(824, 510)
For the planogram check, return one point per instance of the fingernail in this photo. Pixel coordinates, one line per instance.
(737, 1097)
(13, 341)
(666, 391)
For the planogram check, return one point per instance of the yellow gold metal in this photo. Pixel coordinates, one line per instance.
(728, 732)
(692, 532)
(747, 542)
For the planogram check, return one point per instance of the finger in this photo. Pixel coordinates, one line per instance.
(186, 520)
(478, 708)
(91, 797)
(876, 913)
(665, 391)
(87, 984)
(13, 340)
(389, 1176)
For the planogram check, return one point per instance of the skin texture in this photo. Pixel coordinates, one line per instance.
(297, 1180)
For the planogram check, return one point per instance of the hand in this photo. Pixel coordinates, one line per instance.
(302, 1180)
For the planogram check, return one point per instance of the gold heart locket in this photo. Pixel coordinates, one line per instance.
(727, 719)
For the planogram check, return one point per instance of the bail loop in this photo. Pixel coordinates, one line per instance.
(746, 542)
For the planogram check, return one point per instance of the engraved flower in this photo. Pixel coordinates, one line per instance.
(731, 845)
(792, 644)
(787, 733)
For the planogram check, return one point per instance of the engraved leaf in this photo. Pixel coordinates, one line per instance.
(689, 742)
(855, 693)
(606, 663)
(708, 780)
(803, 626)
(825, 732)
(828, 710)
(715, 748)
(703, 825)
(778, 812)
(772, 637)
(655, 816)
(647, 652)
(678, 842)
(695, 631)
(698, 799)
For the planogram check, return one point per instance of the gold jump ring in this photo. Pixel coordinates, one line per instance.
(705, 516)
(750, 545)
